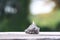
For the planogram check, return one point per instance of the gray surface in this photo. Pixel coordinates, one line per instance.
(31, 39)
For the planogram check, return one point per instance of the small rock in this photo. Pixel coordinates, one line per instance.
(32, 29)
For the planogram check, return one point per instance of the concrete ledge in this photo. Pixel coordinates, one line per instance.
(23, 35)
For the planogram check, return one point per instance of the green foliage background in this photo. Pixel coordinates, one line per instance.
(19, 22)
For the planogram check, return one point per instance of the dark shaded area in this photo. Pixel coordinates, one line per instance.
(18, 21)
(45, 29)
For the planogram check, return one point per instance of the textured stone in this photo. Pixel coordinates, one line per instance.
(32, 29)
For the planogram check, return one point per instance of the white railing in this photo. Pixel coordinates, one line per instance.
(23, 35)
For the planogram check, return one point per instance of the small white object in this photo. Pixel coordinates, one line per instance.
(11, 10)
(39, 7)
(33, 22)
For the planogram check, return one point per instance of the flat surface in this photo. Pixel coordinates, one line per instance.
(23, 35)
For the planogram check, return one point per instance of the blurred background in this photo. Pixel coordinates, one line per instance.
(20, 19)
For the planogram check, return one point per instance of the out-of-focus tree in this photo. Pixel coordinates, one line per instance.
(41, 17)
(13, 15)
